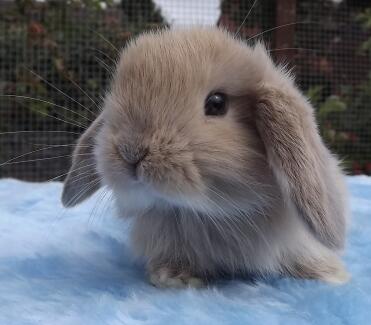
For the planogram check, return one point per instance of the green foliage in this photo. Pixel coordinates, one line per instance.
(332, 105)
(345, 123)
(314, 93)
(337, 87)
(69, 44)
(365, 18)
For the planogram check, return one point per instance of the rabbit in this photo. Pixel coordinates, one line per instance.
(214, 154)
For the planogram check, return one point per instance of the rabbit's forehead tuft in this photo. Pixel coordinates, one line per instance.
(180, 62)
(192, 46)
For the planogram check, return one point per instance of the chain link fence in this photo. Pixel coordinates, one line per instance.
(56, 58)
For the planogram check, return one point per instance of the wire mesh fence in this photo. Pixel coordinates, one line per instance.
(56, 58)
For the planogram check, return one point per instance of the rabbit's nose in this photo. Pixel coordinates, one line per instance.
(133, 155)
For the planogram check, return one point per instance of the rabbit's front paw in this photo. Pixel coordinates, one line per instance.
(167, 278)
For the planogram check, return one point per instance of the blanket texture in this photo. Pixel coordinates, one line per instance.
(74, 266)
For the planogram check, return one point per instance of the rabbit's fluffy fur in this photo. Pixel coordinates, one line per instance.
(252, 192)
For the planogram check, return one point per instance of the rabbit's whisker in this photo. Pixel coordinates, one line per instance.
(88, 186)
(86, 94)
(37, 150)
(106, 40)
(83, 175)
(278, 27)
(104, 65)
(36, 131)
(64, 94)
(97, 205)
(107, 203)
(245, 19)
(42, 159)
(72, 170)
(64, 145)
(52, 104)
(292, 48)
(104, 54)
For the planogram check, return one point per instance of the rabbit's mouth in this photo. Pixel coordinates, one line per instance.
(156, 177)
(169, 179)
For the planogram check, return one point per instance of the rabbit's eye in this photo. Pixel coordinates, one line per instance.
(216, 104)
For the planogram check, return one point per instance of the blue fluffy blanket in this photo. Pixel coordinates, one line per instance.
(74, 267)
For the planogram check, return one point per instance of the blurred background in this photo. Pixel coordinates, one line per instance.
(56, 58)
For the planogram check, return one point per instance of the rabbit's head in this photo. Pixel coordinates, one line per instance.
(197, 119)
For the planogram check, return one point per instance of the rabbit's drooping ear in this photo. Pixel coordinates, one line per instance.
(305, 170)
(82, 179)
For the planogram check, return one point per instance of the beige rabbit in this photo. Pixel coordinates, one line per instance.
(215, 155)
